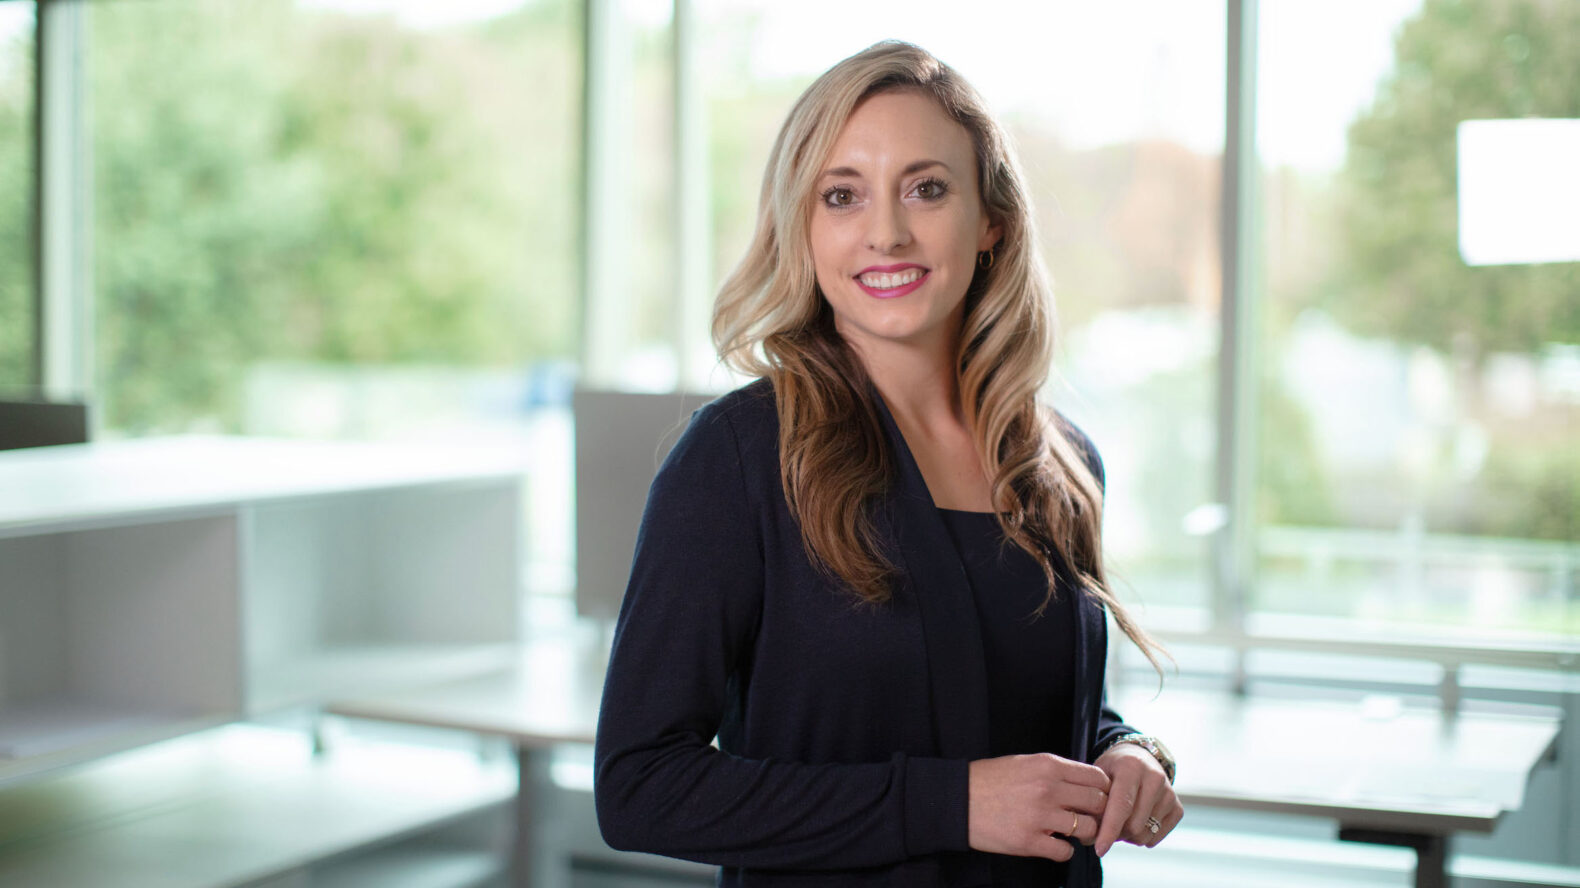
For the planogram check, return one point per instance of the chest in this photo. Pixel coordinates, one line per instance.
(951, 468)
(833, 679)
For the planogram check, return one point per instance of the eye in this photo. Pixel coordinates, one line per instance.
(839, 196)
(931, 189)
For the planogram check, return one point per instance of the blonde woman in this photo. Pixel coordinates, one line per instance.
(875, 575)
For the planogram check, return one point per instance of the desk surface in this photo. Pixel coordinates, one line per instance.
(549, 695)
(82, 483)
(1373, 766)
(236, 805)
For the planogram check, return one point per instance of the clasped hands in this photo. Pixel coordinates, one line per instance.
(1033, 805)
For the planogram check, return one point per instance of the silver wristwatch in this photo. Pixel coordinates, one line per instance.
(1150, 744)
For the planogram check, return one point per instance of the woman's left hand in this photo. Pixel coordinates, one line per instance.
(1139, 790)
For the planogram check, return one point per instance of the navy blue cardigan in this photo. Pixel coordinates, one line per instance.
(844, 732)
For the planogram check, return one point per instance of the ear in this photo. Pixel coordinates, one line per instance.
(990, 233)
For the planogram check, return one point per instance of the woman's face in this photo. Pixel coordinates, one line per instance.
(897, 223)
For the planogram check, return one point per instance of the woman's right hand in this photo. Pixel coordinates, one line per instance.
(1028, 805)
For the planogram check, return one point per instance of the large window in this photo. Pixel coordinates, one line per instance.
(366, 218)
(1122, 142)
(1420, 415)
(330, 217)
(16, 195)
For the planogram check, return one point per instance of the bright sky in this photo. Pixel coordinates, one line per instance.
(1320, 63)
(1100, 73)
(14, 17)
(1097, 73)
(439, 13)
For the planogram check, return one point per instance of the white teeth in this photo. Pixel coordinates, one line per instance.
(883, 281)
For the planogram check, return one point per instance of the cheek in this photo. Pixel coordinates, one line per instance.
(826, 251)
(968, 235)
(954, 234)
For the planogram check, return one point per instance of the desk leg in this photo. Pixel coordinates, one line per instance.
(1431, 851)
(521, 848)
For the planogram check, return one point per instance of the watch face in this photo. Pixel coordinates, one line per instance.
(1164, 757)
(1160, 752)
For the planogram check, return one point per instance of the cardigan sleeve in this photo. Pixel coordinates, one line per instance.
(686, 624)
(1110, 727)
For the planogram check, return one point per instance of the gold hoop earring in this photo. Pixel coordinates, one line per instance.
(985, 265)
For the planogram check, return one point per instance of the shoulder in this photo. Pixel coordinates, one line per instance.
(742, 426)
(749, 415)
(751, 404)
(1083, 443)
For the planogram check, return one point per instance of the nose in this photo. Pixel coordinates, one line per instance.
(888, 229)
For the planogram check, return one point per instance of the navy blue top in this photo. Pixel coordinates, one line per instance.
(844, 732)
(1030, 660)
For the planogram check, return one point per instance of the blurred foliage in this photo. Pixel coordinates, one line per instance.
(1290, 485)
(1401, 272)
(1528, 491)
(296, 184)
(16, 200)
(1377, 248)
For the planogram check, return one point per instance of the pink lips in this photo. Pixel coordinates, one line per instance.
(891, 269)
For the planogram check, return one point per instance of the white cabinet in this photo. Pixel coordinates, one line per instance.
(152, 588)
(113, 637)
(250, 805)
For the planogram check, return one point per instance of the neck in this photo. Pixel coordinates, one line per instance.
(917, 380)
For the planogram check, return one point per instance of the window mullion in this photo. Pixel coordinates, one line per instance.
(693, 283)
(62, 284)
(1234, 550)
(607, 204)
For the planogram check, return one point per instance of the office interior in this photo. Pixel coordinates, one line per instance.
(340, 338)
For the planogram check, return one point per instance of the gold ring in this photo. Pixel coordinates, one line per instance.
(1075, 823)
(1153, 825)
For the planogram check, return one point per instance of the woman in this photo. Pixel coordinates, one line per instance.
(875, 574)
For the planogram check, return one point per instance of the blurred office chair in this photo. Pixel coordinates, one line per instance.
(42, 423)
(621, 440)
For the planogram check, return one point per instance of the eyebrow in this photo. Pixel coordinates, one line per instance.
(914, 166)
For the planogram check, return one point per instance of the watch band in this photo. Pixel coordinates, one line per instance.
(1152, 745)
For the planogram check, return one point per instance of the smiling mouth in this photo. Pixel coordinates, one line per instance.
(892, 284)
(882, 280)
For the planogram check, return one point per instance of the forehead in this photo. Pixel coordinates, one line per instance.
(897, 127)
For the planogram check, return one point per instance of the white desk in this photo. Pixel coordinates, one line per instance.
(1412, 777)
(1386, 774)
(84, 484)
(549, 696)
(152, 587)
(241, 804)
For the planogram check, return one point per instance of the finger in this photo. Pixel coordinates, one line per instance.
(1165, 813)
(1147, 800)
(1173, 813)
(1121, 799)
(1085, 775)
(1085, 799)
(1053, 848)
(1085, 830)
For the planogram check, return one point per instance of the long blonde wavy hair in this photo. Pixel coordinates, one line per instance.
(770, 319)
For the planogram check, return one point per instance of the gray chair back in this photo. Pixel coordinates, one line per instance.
(621, 439)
